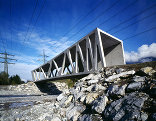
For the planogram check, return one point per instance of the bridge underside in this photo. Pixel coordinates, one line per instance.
(96, 50)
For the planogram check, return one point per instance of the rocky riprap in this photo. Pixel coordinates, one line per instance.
(29, 88)
(112, 94)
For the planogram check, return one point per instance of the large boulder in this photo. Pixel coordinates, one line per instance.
(90, 117)
(99, 104)
(144, 116)
(82, 98)
(68, 100)
(87, 77)
(119, 70)
(55, 119)
(116, 90)
(73, 111)
(152, 117)
(92, 82)
(109, 71)
(139, 79)
(148, 70)
(91, 97)
(135, 86)
(100, 87)
(111, 78)
(60, 97)
(85, 117)
(79, 94)
(127, 108)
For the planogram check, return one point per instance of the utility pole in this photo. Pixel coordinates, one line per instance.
(5, 57)
(44, 57)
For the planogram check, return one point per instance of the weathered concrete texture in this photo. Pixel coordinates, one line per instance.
(96, 50)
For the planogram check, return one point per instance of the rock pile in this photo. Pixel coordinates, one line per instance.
(57, 86)
(112, 94)
(28, 87)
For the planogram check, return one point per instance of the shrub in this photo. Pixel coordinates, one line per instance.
(15, 80)
(4, 78)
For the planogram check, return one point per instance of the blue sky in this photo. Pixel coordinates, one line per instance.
(63, 22)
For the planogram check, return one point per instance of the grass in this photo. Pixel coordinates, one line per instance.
(69, 82)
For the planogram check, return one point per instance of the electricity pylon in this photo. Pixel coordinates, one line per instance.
(44, 57)
(5, 57)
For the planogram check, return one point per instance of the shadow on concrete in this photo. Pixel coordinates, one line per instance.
(48, 88)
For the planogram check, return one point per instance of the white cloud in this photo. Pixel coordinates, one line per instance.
(51, 47)
(143, 52)
(26, 59)
(22, 69)
(27, 63)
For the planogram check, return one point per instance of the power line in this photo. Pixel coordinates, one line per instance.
(2, 41)
(140, 33)
(37, 19)
(11, 22)
(118, 12)
(105, 20)
(132, 17)
(6, 60)
(134, 23)
(117, 1)
(100, 3)
(31, 19)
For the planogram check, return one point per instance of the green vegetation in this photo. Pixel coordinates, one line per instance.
(5, 80)
(69, 82)
(15, 80)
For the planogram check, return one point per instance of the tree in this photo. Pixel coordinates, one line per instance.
(4, 78)
(15, 80)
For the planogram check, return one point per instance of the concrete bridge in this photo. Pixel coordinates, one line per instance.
(96, 50)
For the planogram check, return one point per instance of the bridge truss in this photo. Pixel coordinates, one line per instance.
(96, 50)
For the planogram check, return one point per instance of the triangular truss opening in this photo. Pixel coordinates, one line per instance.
(52, 69)
(80, 64)
(83, 48)
(89, 61)
(73, 52)
(67, 68)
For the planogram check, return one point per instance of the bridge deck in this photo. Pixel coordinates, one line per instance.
(70, 76)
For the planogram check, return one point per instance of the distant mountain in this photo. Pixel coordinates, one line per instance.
(142, 60)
